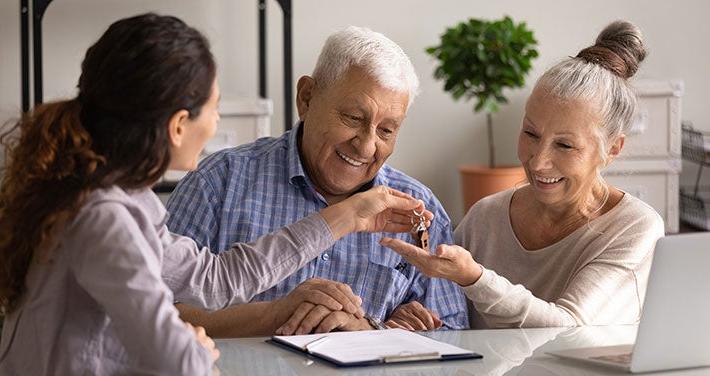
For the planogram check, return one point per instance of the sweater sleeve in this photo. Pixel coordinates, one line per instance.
(199, 277)
(118, 268)
(608, 289)
(503, 304)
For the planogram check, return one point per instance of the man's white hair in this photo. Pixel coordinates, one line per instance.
(380, 57)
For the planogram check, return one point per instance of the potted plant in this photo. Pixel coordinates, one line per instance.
(478, 59)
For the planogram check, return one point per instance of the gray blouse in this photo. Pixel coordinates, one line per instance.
(96, 304)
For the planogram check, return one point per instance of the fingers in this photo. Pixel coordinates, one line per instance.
(449, 261)
(400, 195)
(400, 217)
(412, 253)
(402, 221)
(344, 295)
(430, 318)
(391, 324)
(319, 297)
(399, 323)
(409, 214)
(407, 202)
(335, 296)
(414, 316)
(422, 209)
(326, 294)
(205, 340)
(313, 319)
(423, 314)
(200, 332)
(355, 301)
(333, 321)
(294, 322)
(411, 314)
(397, 200)
(437, 321)
(449, 252)
(351, 302)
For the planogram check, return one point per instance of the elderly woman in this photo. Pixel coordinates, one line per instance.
(568, 248)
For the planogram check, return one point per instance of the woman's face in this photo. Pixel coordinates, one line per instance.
(559, 149)
(195, 133)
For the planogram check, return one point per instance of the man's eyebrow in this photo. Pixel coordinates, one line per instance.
(352, 105)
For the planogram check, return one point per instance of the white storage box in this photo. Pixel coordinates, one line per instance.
(242, 121)
(656, 132)
(649, 165)
(653, 181)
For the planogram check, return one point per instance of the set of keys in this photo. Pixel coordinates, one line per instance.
(419, 231)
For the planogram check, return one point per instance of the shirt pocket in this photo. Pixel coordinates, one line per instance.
(387, 281)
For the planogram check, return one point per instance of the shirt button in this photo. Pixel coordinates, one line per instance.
(325, 257)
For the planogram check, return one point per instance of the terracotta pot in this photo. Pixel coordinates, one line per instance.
(478, 182)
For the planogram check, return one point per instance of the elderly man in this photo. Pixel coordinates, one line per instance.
(351, 110)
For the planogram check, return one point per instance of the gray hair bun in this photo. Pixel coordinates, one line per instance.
(619, 48)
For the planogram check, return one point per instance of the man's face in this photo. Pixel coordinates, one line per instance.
(349, 131)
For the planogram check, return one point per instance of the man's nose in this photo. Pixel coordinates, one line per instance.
(365, 143)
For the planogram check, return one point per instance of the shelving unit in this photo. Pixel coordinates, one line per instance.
(242, 120)
(32, 14)
(650, 163)
(235, 113)
(695, 200)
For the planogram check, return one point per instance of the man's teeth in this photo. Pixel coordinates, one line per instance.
(547, 180)
(349, 160)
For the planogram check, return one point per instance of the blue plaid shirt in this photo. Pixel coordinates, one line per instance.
(240, 194)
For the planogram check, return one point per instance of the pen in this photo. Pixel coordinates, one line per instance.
(310, 345)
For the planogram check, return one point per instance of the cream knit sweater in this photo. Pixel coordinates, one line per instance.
(595, 276)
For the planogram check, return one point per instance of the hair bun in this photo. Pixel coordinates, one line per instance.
(619, 48)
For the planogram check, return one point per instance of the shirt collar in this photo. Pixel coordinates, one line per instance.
(296, 173)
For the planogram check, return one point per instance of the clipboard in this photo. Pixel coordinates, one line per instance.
(372, 347)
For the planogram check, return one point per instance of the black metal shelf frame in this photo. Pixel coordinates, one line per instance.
(694, 205)
(31, 15)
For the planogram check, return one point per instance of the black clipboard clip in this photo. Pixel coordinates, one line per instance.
(410, 357)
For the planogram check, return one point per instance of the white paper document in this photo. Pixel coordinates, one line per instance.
(374, 346)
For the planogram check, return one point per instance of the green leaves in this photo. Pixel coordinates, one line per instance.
(479, 58)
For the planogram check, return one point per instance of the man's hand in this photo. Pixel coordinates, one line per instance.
(311, 318)
(413, 316)
(331, 295)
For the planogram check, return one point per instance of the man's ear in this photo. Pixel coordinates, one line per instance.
(176, 127)
(305, 88)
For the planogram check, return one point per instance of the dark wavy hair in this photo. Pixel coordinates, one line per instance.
(140, 72)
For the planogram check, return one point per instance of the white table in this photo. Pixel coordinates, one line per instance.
(505, 352)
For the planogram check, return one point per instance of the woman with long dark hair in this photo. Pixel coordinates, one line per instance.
(88, 270)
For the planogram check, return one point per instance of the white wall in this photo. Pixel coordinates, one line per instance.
(439, 133)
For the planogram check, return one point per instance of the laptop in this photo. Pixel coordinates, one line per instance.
(674, 331)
